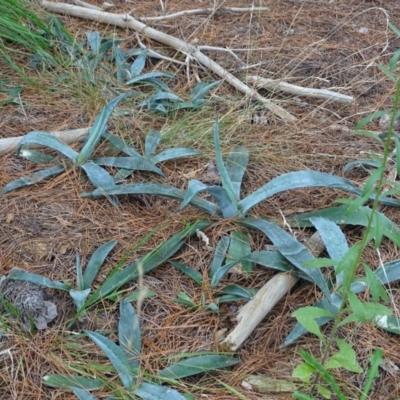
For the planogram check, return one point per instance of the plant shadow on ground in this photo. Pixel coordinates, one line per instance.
(43, 227)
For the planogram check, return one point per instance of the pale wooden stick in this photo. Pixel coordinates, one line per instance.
(203, 11)
(86, 5)
(67, 137)
(126, 21)
(298, 90)
(252, 313)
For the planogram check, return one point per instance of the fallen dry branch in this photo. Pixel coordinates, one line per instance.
(127, 21)
(299, 90)
(200, 11)
(67, 137)
(270, 294)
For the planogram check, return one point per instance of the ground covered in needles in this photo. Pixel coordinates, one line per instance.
(315, 44)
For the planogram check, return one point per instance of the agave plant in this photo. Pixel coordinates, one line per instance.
(229, 205)
(135, 161)
(118, 276)
(125, 359)
(231, 292)
(165, 102)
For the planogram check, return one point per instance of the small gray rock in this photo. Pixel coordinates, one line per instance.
(29, 299)
(384, 122)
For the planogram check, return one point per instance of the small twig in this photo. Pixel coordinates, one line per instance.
(127, 21)
(203, 11)
(298, 90)
(155, 54)
(216, 48)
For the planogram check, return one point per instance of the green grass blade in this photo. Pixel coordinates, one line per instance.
(153, 139)
(98, 129)
(324, 374)
(373, 372)
(95, 262)
(83, 394)
(290, 248)
(190, 272)
(219, 255)
(157, 190)
(38, 280)
(225, 179)
(47, 140)
(295, 180)
(236, 164)
(129, 334)
(68, 382)
(197, 365)
(172, 154)
(98, 176)
(150, 391)
(32, 179)
(130, 163)
(117, 358)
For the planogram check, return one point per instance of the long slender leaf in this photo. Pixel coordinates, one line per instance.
(117, 358)
(334, 240)
(121, 145)
(98, 129)
(38, 280)
(236, 164)
(36, 156)
(219, 194)
(150, 261)
(219, 255)
(190, 272)
(197, 365)
(171, 154)
(153, 139)
(302, 179)
(157, 190)
(235, 291)
(48, 140)
(32, 179)
(132, 163)
(95, 262)
(129, 334)
(98, 176)
(221, 272)
(290, 248)
(142, 78)
(225, 179)
(138, 64)
(201, 89)
(239, 249)
(150, 391)
(83, 394)
(358, 217)
(67, 382)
